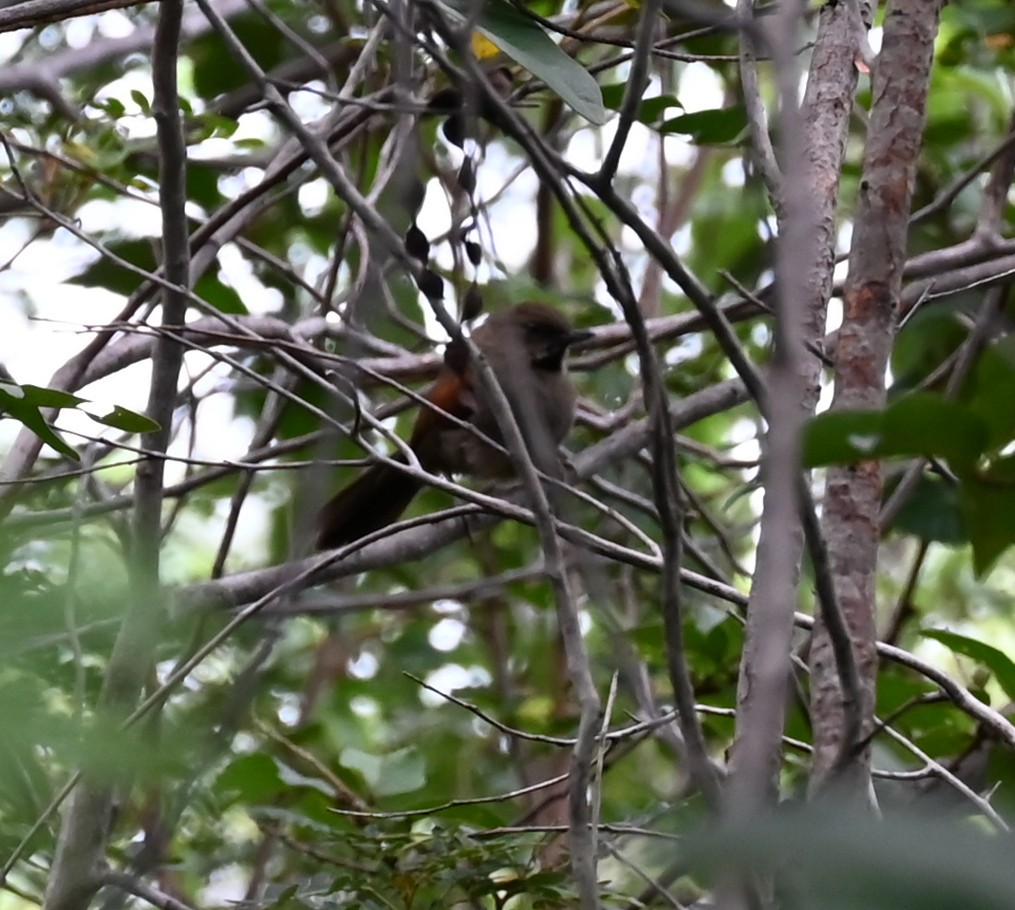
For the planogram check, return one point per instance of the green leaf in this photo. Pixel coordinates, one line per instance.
(917, 424)
(934, 512)
(203, 185)
(224, 298)
(926, 424)
(933, 334)
(253, 778)
(841, 437)
(524, 41)
(129, 421)
(713, 127)
(50, 398)
(649, 110)
(994, 389)
(216, 72)
(105, 273)
(994, 660)
(989, 511)
(15, 403)
(363, 762)
(986, 18)
(141, 100)
(112, 106)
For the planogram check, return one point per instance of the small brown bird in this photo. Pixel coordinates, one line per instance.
(525, 346)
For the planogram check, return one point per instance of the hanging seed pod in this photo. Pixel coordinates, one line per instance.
(431, 284)
(467, 176)
(454, 130)
(446, 101)
(472, 303)
(415, 193)
(416, 243)
(474, 252)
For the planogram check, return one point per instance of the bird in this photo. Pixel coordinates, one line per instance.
(525, 345)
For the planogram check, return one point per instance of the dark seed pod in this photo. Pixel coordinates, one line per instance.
(446, 101)
(416, 244)
(467, 176)
(415, 193)
(454, 130)
(474, 251)
(472, 303)
(431, 284)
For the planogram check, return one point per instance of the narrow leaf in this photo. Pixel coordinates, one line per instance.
(17, 406)
(916, 424)
(989, 513)
(994, 660)
(129, 421)
(525, 42)
(713, 127)
(50, 398)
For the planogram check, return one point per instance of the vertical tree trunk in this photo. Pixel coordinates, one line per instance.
(853, 492)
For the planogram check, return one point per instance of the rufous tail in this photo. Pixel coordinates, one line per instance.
(373, 501)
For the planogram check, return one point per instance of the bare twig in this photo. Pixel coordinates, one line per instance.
(757, 120)
(637, 81)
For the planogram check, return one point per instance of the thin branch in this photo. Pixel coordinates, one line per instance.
(981, 804)
(953, 190)
(766, 661)
(457, 803)
(34, 13)
(757, 120)
(148, 893)
(962, 367)
(637, 82)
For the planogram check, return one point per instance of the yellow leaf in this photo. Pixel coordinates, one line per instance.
(483, 47)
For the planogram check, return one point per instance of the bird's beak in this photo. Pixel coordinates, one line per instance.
(577, 336)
